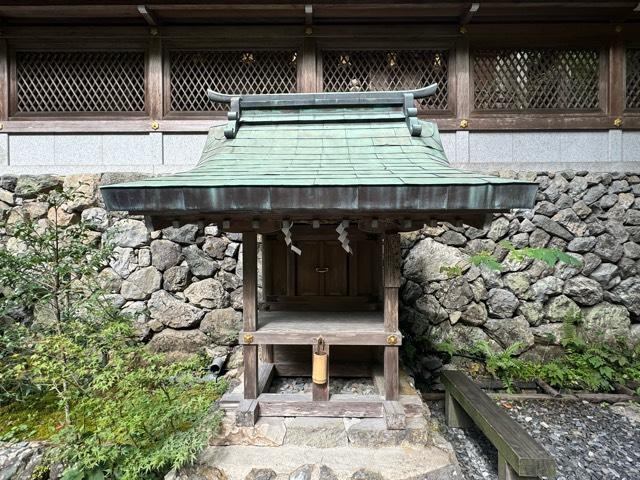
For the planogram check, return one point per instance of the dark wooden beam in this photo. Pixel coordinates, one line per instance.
(148, 15)
(471, 11)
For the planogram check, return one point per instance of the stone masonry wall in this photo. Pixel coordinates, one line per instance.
(593, 216)
(183, 285)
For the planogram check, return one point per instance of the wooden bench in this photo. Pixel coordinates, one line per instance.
(519, 455)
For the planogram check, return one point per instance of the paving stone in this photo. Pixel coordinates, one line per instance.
(315, 432)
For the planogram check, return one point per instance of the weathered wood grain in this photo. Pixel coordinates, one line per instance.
(247, 413)
(391, 374)
(525, 456)
(394, 415)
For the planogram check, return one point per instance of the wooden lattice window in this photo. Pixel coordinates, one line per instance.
(250, 71)
(632, 91)
(372, 70)
(79, 82)
(536, 78)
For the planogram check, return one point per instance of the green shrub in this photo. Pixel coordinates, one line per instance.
(77, 376)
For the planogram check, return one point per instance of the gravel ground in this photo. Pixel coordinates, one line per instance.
(589, 441)
(354, 386)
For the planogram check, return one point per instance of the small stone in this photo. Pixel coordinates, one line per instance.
(561, 308)
(547, 286)
(186, 234)
(517, 282)
(604, 273)
(475, 314)
(499, 228)
(165, 254)
(215, 247)
(430, 306)
(176, 278)
(508, 331)
(141, 284)
(222, 326)
(29, 186)
(453, 238)
(7, 197)
(594, 194)
(232, 249)
(128, 233)
(545, 208)
(628, 291)
(144, 257)
(617, 230)
(184, 341)
(172, 312)
(532, 311)
(548, 334)
(570, 221)
(608, 248)
(606, 322)
(539, 238)
(590, 262)
(581, 244)
(502, 303)
(200, 264)
(619, 186)
(96, 218)
(83, 189)
(583, 290)
(582, 209)
(109, 280)
(207, 293)
(364, 474)
(229, 281)
(212, 230)
(626, 200)
(608, 201)
(552, 227)
(123, 261)
(457, 294)
(631, 250)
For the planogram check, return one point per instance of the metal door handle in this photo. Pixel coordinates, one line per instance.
(322, 269)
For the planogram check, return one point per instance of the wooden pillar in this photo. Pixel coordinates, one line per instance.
(155, 79)
(462, 81)
(307, 75)
(391, 267)
(250, 311)
(4, 80)
(615, 104)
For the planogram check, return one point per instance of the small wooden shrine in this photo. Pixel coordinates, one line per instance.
(329, 180)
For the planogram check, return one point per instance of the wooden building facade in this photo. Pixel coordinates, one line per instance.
(101, 69)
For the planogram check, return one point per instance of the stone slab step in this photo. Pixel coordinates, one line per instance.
(341, 463)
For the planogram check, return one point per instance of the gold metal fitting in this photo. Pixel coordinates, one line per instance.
(153, 31)
(155, 125)
(308, 31)
(618, 122)
(463, 30)
(618, 28)
(247, 338)
(464, 123)
(392, 340)
(1, 126)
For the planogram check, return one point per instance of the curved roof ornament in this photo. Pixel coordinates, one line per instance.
(324, 98)
(402, 98)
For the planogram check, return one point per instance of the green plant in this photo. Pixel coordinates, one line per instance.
(76, 373)
(550, 256)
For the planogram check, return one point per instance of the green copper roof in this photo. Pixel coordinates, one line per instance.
(327, 146)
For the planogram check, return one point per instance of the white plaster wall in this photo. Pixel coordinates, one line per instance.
(169, 152)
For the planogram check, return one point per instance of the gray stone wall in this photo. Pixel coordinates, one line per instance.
(183, 285)
(595, 217)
